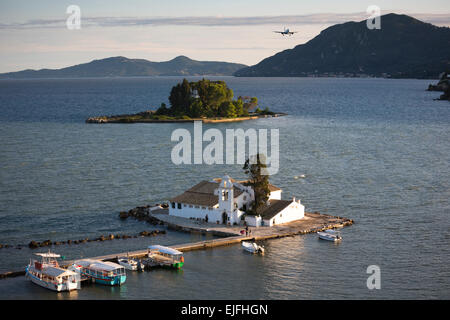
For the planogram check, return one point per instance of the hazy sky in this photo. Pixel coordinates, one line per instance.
(34, 35)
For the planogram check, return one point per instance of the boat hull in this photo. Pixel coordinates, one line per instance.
(250, 248)
(154, 263)
(108, 281)
(328, 237)
(58, 287)
(128, 266)
(116, 281)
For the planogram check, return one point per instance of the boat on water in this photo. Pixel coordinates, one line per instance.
(130, 263)
(330, 235)
(47, 273)
(161, 256)
(103, 272)
(252, 247)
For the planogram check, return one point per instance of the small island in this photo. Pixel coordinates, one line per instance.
(204, 100)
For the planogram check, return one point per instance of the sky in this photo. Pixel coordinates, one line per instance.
(34, 35)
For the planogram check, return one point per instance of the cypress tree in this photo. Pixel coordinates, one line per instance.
(258, 181)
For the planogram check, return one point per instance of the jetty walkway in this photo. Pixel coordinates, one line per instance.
(228, 235)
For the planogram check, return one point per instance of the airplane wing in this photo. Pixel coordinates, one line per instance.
(278, 31)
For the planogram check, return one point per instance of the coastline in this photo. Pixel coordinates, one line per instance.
(130, 119)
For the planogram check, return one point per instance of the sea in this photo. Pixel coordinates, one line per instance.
(373, 150)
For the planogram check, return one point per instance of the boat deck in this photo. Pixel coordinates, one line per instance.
(157, 261)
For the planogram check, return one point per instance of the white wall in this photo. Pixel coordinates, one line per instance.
(188, 212)
(253, 221)
(294, 211)
(240, 200)
(275, 195)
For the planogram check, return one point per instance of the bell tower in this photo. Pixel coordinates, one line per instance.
(226, 196)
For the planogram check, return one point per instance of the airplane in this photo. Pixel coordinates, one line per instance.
(286, 32)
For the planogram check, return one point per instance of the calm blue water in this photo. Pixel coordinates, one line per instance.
(373, 150)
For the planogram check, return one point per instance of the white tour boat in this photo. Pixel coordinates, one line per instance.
(330, 235)
(252, 247)
(48, 274)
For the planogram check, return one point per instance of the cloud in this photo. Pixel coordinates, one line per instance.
(323, 18)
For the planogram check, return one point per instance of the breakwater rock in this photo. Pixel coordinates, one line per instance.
(12, 274)
(34, 244)
(46, 243)
(142, 213)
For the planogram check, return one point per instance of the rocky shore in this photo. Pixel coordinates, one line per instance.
(443, 85)
(141, 118)
(142, 213)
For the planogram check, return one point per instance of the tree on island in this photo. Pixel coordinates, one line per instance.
(205, 98)
(259, 181)
(180, 98)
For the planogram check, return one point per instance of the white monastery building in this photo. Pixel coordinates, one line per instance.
(224, 201)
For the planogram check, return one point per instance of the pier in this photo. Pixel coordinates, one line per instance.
(229, 235)
(313, 222)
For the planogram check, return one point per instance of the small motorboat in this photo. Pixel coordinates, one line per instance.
(330, 235)
(130, 263)
(252, 247)
(48, 274)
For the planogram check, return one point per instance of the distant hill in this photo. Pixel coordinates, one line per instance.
(124, 67)
(404, 47)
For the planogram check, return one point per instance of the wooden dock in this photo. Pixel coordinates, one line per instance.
(201, 245)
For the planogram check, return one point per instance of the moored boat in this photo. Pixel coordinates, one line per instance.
(130, 263)
(48, 274)
(252, 247)
(161, 256)
(103, 272)
(330, 235)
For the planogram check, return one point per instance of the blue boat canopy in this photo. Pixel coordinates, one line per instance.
(164, 249)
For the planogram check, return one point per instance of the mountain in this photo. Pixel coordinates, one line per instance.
(124, 67)
(404, 47)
